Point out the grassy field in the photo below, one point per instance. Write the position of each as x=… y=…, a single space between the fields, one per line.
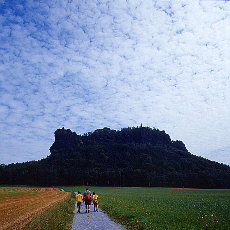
x=165 y=208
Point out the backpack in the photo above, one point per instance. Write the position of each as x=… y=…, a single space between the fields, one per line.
x=87 y=196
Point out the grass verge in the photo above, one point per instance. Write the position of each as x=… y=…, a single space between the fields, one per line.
x=58 y=217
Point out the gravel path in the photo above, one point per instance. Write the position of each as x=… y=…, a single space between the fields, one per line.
x=93 y=220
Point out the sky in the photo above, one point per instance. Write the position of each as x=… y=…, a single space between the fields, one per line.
x=85 y=65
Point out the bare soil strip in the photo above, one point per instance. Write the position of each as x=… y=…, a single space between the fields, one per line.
x=17 y=210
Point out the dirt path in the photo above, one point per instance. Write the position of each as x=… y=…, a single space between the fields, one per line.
x=93 y=221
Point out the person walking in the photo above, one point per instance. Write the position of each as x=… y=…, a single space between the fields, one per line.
x=95 y=202
x=87 y=198
x=79 y=199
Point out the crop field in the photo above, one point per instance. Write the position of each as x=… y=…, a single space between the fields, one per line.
x=165 y=208
x=20 y=205
x=11 y=191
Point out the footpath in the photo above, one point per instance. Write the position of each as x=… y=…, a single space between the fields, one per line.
x=93 y=220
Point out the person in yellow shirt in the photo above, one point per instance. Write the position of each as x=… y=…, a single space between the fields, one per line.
x=79 y=198
x=95 y=202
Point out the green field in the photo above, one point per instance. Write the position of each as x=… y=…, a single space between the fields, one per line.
x=164 y=208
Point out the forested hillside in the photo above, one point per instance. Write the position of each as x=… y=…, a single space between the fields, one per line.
x=129 y=157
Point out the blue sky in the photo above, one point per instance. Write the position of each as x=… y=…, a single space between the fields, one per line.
x=92 y=64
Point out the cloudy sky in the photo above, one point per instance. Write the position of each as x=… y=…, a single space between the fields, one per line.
x=91 y=64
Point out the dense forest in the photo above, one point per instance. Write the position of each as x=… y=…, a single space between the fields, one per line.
x=138 y=156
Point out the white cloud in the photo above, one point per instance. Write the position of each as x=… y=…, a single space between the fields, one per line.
x=90 y=64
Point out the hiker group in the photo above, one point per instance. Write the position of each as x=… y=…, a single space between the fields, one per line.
x=88 y=198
